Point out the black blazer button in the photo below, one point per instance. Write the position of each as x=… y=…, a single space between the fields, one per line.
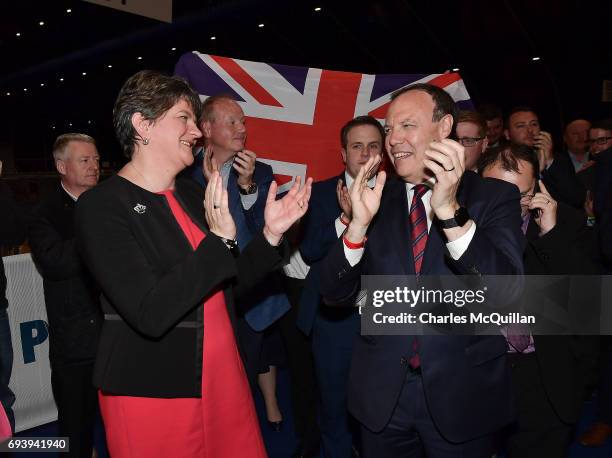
x=403 y=360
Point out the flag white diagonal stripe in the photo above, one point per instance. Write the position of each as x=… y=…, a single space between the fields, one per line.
x=296 y=107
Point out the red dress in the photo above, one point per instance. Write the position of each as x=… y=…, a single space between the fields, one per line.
x=221 y=424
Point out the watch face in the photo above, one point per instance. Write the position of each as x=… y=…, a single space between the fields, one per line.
x=250 y=190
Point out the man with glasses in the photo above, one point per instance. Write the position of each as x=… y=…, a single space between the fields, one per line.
x=600 y=136
x=472 y=134
x=545 y=370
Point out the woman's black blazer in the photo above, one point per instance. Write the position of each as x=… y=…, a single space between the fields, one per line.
x=154 y=284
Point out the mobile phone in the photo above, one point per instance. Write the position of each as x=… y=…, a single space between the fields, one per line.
x=536 y=212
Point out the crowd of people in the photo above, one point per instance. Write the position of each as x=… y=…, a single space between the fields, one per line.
x=175 y=288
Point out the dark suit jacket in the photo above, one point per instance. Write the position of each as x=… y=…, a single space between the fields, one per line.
x=319 y=236
x=602 y=201
x=564 y=250
x=154 y=285
x=464 y=377
x=561 y=181
x=71 y=294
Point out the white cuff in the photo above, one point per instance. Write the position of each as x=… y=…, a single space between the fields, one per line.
x=456 y=248
x=340 y=227
x=353 y=255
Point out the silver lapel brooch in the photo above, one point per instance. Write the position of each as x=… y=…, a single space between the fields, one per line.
x=140 y=209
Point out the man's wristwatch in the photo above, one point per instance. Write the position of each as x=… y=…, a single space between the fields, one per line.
x=461 y=217
x=250 y=189
x=232 y=245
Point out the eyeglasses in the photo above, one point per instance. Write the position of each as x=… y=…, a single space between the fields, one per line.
x=470 y=141
x=599 y=141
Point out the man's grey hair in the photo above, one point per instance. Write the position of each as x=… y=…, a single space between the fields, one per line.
x=60 y=147
x=208 y=107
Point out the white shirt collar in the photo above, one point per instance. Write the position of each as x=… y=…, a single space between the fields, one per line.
x=429 y=183
x=72 y=196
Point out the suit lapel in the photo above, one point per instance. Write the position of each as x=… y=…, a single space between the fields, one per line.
x=399 y=228
x=433 y=250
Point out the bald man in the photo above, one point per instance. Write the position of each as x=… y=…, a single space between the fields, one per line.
x=576 y=138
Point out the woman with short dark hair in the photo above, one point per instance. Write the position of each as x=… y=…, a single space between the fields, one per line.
x=169 y=373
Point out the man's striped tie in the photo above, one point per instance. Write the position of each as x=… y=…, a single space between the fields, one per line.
x=418 y=234
x=418 y=226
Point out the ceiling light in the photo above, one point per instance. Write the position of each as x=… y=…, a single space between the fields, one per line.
x=84 y=73
x=8 y=93
x=535 y=58
x=52 y=127
x=88 y=122
x=25 y=89
x=68 y=10
x=42 y=84
x=139 y=57
x=61 y=79
x=260 y=26
x=317 y=9
x=109 y=66
x=18 y=34
x=455 y=69
x=173 y=49
x=69 y=124
x=41 y=23
x=213 y=37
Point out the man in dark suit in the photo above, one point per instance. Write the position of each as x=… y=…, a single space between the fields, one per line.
x=554 y=168
x=71 y=296
x=546 y=370
x=334 y=329
x=601 y=148
x=446 y=394
x=576 y=140
x=247 y=182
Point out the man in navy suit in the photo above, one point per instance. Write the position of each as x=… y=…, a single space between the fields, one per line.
x=446 y=395
x=247 y=182
x=333 y=329
x=555 y=169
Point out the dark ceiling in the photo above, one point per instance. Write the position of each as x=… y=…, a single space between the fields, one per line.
x=491 y=42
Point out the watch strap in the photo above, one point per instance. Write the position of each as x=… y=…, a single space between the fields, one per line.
x=459 y=219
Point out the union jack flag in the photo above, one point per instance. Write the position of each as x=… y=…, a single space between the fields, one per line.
x=294 y=114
